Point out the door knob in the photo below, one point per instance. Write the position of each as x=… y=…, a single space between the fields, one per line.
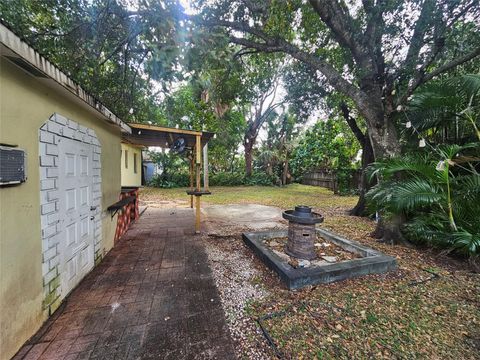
x=92 y=217
x=93 y=208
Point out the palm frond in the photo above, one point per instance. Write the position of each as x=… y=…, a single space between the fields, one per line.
x=466 y=242
x=415 y=194
x=467 y=85
x=440 y=104
x=450 y=151
x=410 y=165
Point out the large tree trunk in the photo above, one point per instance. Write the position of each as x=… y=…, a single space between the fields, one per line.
x=365 y=185
x=385 y=144
x=380 y=142
x=367 y=158
x=248 y=145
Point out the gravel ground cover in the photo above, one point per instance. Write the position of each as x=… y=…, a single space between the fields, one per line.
x=238 y=277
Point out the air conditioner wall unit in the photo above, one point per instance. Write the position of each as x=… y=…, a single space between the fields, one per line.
x=13 y=165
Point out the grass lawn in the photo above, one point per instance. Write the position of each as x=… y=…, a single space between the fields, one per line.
x=429 y=308
x=287 y=196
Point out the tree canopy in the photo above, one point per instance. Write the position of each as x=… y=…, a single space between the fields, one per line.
x=376 y=75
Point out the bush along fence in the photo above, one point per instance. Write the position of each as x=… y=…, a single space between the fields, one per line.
x=340 y=181
x=180 y=179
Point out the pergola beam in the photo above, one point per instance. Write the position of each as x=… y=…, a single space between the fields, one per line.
x=196 y=142
x=164 y=129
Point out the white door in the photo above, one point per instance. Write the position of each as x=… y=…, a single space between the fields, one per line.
x=77 y=233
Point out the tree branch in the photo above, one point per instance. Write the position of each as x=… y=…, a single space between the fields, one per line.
x=272 y=44
x=339 y=21
x=417 y=39
x=334 y=78
x=423 y=78
x=352 y=123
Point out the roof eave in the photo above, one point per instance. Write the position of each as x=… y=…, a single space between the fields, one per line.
x=54 y=77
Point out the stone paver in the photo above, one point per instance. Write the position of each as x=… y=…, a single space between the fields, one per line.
x=152 y=297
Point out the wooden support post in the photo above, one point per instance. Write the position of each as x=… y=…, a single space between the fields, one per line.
x=192 y=160
x=198 y=162
x=198 y=166
x=205 y=167
x=197 y=214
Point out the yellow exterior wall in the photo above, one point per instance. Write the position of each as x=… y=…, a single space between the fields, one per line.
x=25 y=104
x=129 y=177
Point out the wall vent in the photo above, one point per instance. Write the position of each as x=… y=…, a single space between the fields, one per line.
x=13 y=166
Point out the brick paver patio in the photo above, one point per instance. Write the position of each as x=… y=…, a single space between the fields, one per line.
x=152 y=297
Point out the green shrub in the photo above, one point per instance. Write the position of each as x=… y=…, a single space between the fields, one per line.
x=260 y=178
x=182 y=179
x=227 y=179
x=346 y=181
x=238 y=178
x=172 y=180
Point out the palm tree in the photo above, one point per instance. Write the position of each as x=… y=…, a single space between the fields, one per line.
x=447 y=111
x=437 y=194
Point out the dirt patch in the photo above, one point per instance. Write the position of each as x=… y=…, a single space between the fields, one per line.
x=327 y=251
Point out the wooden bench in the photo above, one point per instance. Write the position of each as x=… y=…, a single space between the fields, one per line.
x=119 y=205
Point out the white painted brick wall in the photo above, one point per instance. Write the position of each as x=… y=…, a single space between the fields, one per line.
x=53 y=195
x=52 y=172
x=52 y=241
x=52 y=287
x=49 y=230
x=49 y=276
x=43 y=197
x=49 y=253
x=55 y=261
x=47 y=160
x=50 y=135
x=53 y=218
x=52 y=149
x=60 y=119
x=45 y=269
x=48 y=208
x=47 y=184
x=72 y=124
x=54 y=128
x=46 y=137
x=69 y=133
x=78 y=136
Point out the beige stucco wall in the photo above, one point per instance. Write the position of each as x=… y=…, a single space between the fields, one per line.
x=25 y=104
x=129 y=177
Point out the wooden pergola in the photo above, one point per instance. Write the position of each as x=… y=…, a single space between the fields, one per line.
x=196 y=144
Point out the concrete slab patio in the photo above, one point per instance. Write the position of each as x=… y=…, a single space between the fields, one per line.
x=152 y=297
x=254 y=216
